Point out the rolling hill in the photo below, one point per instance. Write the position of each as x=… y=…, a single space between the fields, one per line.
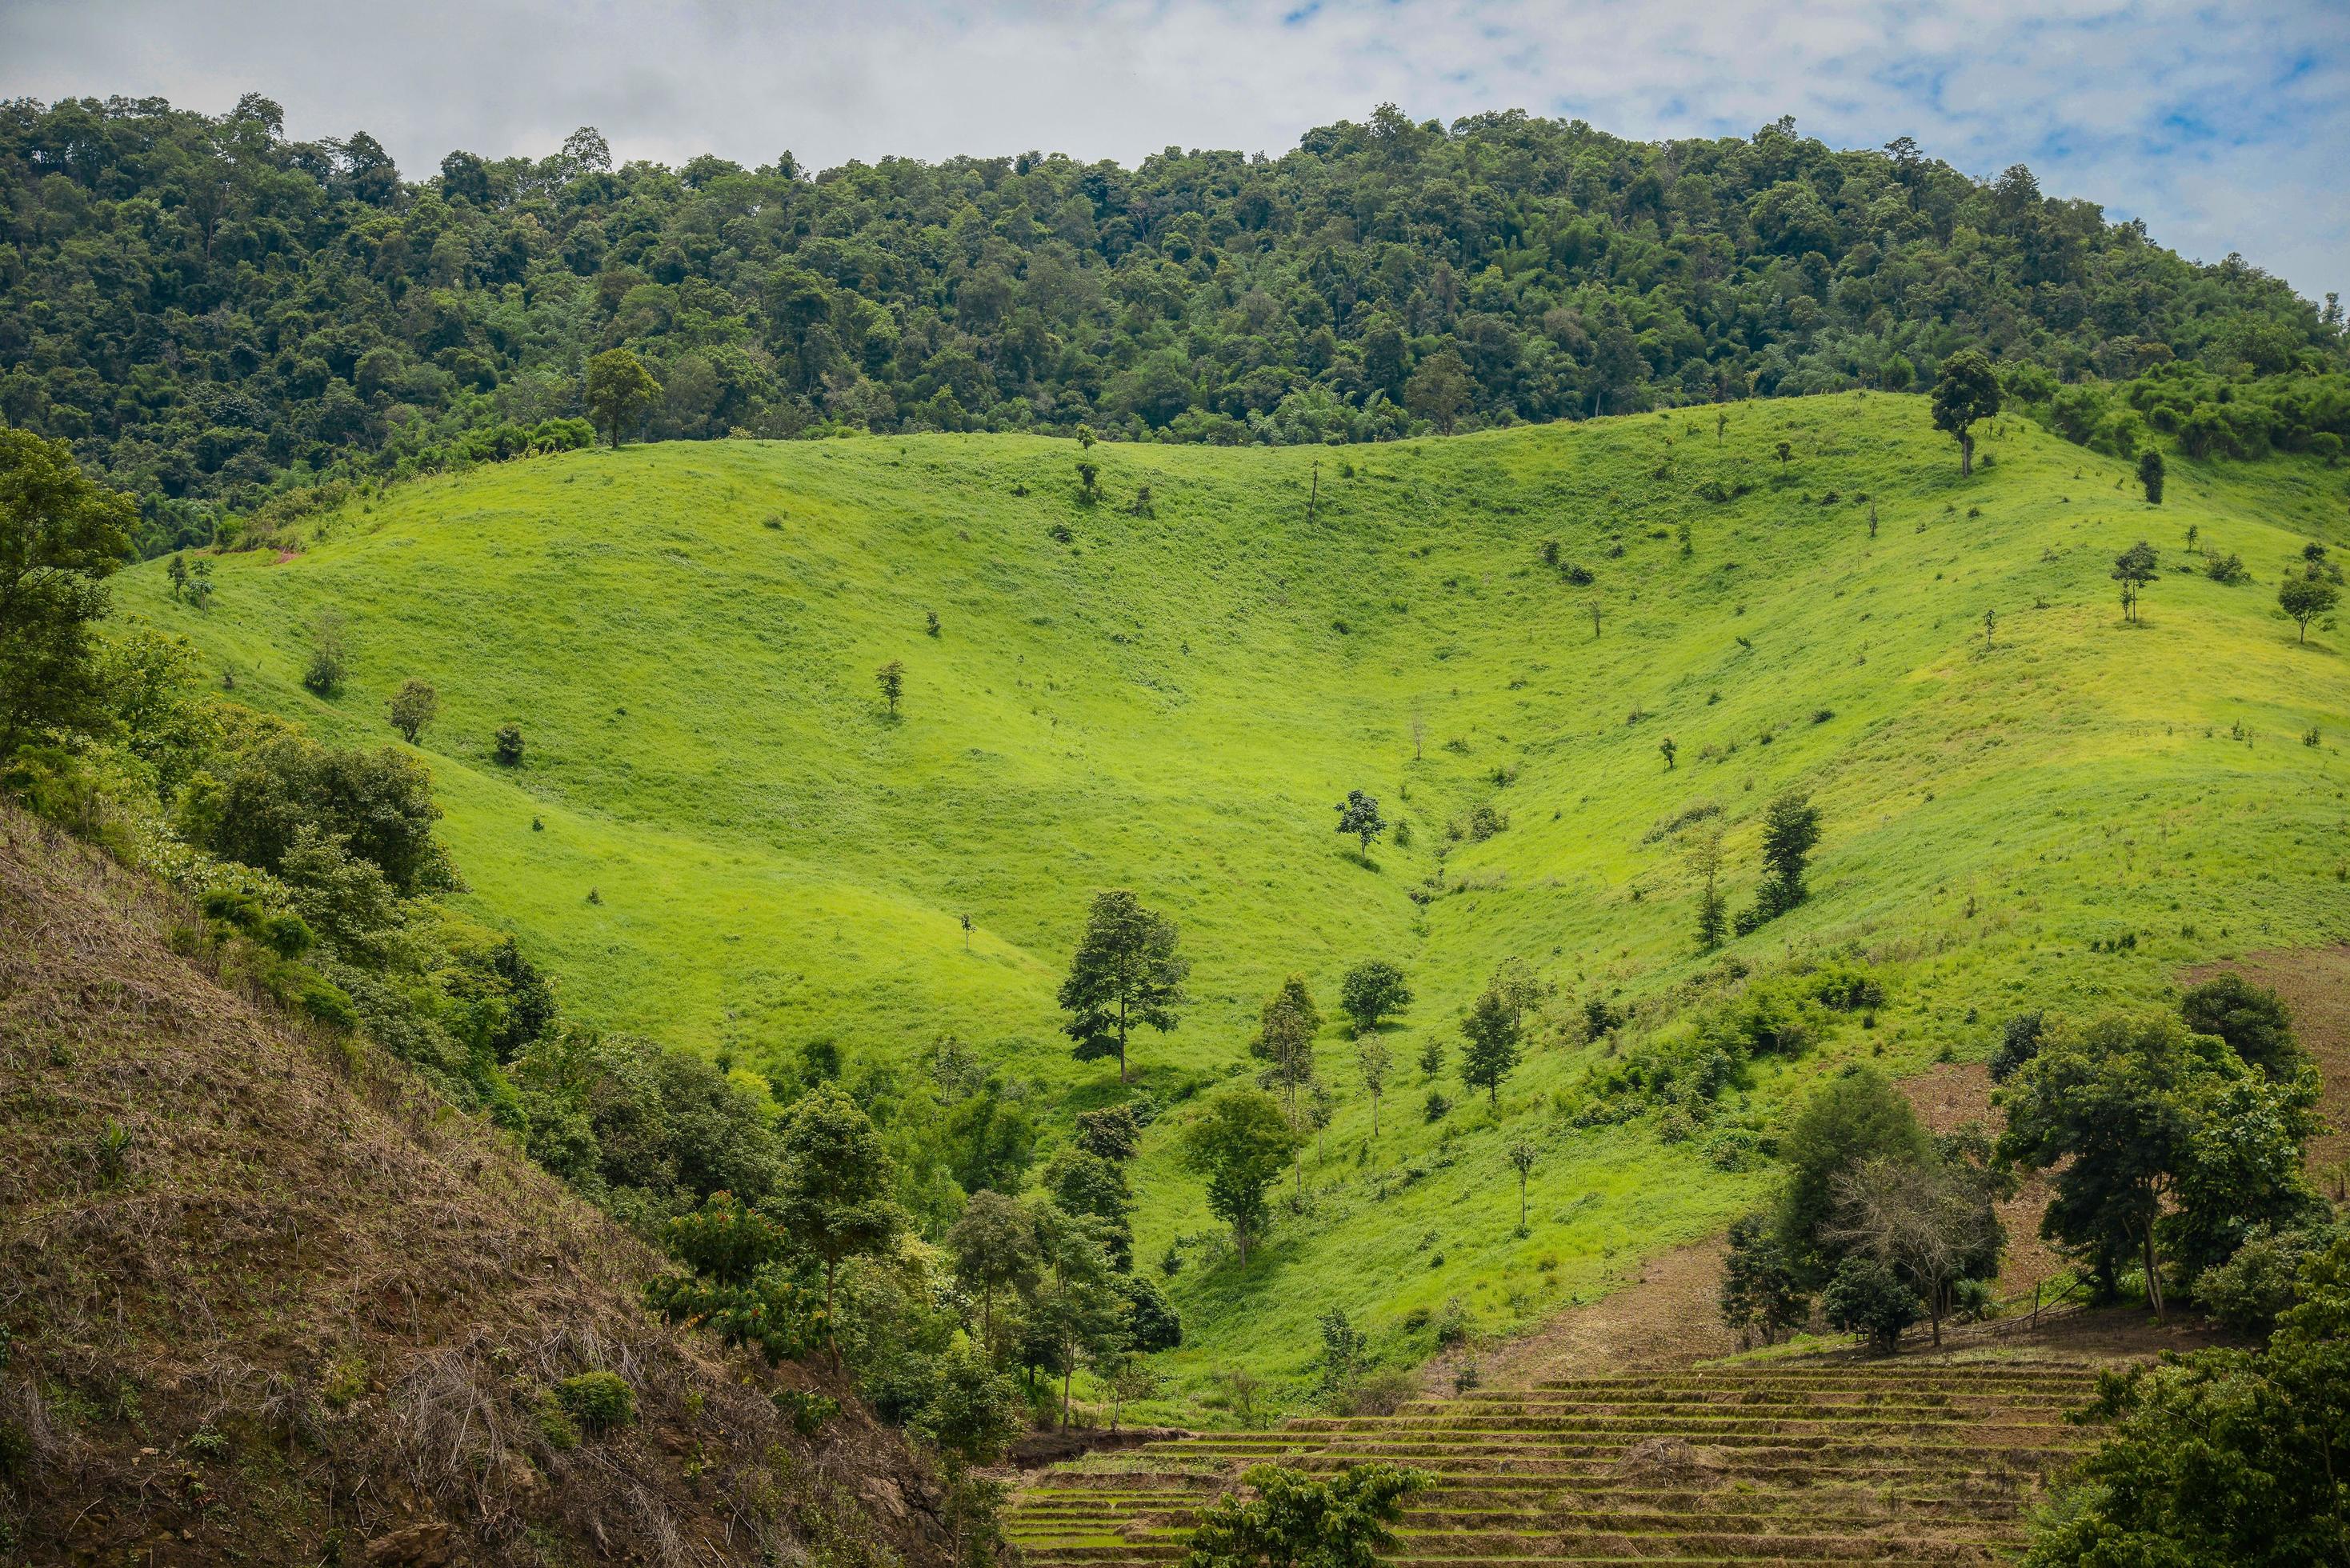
x=720 y=837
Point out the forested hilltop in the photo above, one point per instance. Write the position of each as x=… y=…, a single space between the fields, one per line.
x=211 y=312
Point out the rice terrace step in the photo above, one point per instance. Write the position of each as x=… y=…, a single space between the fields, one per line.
x=1775 y=1463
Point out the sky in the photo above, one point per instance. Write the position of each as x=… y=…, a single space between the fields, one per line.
x=2226 y=126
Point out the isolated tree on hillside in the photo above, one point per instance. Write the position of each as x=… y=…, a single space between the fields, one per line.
x=2304 y=598
x=1965 y=392
x=1372 y=990
x=1127 y=972
x=1520 y=988
x=1791 y=827
x=1493 y=1031
x=620 y=391
x=834 y=1195
x=2149 y=474
x=1712 y=915
x=892 y=679
x=1284 y=1041
x=506 y=749
x=1358 y=814
x=1239 y=1145
x=199 y=584
x=1521 y=1160
x=2134 y=568
x=61 y=536
x=414 y=707
x=329 y=661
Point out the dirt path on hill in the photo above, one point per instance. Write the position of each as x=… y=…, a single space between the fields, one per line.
x=1664 y=1316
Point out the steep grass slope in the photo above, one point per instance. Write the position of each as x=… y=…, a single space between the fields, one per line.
x=264 y=1300
x=719 y=837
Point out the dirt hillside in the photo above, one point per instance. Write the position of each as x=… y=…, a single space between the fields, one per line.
x=264 y=1299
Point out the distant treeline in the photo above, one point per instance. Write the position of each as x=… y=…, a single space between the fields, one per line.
x=211 y=312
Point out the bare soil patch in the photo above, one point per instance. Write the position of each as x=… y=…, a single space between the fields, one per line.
x=2315 y=985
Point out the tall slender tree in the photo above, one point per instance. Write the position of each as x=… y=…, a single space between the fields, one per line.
x=1127 y=972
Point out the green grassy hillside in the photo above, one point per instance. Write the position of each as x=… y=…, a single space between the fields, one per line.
x=1175 y=700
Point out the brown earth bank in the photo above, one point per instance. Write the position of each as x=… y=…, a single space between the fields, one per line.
x=264 y=1299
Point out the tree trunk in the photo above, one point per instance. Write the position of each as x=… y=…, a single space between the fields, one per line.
x=2153 y=1272
x=1068 y=1370
x=831 y=1340
x=1966 y=454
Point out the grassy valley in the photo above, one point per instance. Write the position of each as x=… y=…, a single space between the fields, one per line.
x=719 y=837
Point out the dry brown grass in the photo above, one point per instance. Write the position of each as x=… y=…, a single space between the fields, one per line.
x=297 y=1308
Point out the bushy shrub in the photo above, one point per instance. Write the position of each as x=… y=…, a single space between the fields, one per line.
x=1974 y=1301
x=599 y=1401
x=329 y=1003
x=555 y=1423
x=1382 y=1391
x=2250 y=1018
x=1453 y=1324
x=807 y=1412
x=2248 y=1292
x=1868 y=1299
x=2019 y=1042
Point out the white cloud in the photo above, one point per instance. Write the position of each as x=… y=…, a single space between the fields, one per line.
x=2225 y=131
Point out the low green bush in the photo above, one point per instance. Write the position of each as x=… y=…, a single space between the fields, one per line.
x=599 y=1401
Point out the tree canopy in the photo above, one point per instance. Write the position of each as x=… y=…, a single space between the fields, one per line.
x=1240 y=1145
x=61 y=536
x=1127 y=972
x=209 y=309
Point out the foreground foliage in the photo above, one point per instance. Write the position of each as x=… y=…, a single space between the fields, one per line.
x=2240 y=1456
x=1296 y=1521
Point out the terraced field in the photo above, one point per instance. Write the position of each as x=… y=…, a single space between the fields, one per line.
x=1785 y=1463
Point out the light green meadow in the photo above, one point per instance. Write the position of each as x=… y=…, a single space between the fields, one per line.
x=1175 y=701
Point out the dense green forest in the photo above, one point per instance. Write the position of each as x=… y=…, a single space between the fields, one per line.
x=211 y=312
